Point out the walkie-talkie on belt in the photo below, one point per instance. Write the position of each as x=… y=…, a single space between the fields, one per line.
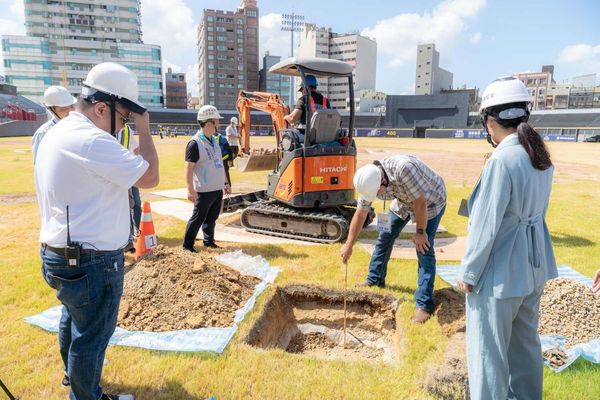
x=73 y=249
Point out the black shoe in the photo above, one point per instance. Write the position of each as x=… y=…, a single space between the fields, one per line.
x=366 y=283
x=190 y=249
x=212 y=245
x=65 y=381
x=117 y=397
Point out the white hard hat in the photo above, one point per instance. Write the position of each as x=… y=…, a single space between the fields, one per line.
x=58 y=96
x=208 y=112
x=367 y=180
x=114 y=80
x=504 y=91
x=234 y=120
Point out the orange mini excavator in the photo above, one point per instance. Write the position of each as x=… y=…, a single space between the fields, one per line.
x=310 y=193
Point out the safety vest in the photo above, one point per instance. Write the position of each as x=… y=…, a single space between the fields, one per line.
x=313 y=106
x=125 y=137
x=225 y=155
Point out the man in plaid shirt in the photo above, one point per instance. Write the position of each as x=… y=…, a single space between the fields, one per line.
x=418 y=193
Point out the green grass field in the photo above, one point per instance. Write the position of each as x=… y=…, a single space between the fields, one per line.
x=30 y=363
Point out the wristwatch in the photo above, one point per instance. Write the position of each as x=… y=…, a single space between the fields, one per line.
x=420 y=231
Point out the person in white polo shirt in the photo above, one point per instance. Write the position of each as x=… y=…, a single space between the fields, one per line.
x=82 y=175
x=59 y=102
x=205 y=178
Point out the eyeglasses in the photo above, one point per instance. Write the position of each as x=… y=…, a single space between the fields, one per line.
x=124 y=119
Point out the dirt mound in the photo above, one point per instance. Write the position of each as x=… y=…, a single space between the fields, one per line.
x=449 y=380
x=177 y=289
x=569 y=308
x=450 y=310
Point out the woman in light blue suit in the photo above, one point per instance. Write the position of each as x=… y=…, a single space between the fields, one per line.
x=509 y=254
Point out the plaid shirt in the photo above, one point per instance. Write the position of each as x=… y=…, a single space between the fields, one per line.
x=409 y=178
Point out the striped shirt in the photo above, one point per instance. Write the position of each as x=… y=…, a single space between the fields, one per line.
x=409 y=178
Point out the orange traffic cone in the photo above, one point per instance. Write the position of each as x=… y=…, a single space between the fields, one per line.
x=146 y=242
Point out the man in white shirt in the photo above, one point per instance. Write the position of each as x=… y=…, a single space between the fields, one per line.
x=59 y=102
x=233 y=137
x=82 y=175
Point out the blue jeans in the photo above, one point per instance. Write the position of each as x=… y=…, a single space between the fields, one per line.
x=383 y=251
x=90 y=295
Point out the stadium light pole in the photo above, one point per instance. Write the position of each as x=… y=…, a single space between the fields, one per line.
x=292 y=23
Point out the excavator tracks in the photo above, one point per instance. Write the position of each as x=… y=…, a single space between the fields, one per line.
x=272 y=218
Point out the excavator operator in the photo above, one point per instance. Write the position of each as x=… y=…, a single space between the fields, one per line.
x=316 y=101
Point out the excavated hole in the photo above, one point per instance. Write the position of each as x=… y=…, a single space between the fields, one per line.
x=309 y=320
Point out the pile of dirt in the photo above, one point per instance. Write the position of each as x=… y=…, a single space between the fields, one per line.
x=177 y=289
x=449 y=380
x=450 y=310
x=569 y=308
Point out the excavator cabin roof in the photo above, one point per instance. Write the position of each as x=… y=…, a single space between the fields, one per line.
x=319 y=67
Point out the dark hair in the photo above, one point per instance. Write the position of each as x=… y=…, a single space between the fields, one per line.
x=202 y=123
x=531 y=141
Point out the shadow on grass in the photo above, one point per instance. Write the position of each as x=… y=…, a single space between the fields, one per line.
x=169 y=391
x=400 y=289
x=562 y=239
x=265 y=250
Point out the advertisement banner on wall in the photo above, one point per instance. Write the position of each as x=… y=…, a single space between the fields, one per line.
x=469 y=134
x=560 y=138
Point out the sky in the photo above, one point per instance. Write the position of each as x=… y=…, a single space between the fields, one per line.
x=478 y=40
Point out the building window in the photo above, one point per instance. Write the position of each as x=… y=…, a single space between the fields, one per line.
x=251 y=13
x=210 y=18
x=240 y=22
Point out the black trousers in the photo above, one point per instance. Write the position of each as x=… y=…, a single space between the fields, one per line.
x=226 y=166
x=206 y=211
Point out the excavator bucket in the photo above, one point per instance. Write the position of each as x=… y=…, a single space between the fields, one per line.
x=260 y=160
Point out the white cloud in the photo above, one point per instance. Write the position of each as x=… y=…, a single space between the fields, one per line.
x=171 y=25
x=476 y=38
x=398 y=36
x=273 y=39
x=191 y=77
x=579 y=59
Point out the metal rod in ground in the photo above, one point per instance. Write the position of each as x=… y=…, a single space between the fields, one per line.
x=345 y=289
x=8 y=393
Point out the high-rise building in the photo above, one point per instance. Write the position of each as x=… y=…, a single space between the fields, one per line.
x=359 y=51
x=227 y=54
x=430 y=78
x=64 y=40
x=273 y=83
x=175 y=90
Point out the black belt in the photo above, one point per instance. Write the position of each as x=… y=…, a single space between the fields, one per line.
x=61 y=250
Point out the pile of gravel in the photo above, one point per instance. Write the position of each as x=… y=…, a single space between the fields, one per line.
x=570 y=309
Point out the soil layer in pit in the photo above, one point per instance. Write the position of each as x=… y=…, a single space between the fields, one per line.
x=177 y=289
x=309 y=320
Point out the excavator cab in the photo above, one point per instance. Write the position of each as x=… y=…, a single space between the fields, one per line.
x=317 y=162
x=310 y=191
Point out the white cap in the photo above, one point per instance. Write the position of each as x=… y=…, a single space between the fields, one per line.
x=208 y=112
x=504 y=91
x=58 y=96
x=367 y=180
x=234 y=120
x=115 y=80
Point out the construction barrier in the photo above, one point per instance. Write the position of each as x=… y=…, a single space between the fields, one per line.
x=146 y=242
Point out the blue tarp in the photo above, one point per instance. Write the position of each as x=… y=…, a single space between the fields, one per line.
x=203 y=339
x=590 y=350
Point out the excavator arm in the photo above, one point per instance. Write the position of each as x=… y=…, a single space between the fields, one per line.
x=270 y=103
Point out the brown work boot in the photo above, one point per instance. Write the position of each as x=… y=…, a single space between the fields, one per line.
x=420 y=316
